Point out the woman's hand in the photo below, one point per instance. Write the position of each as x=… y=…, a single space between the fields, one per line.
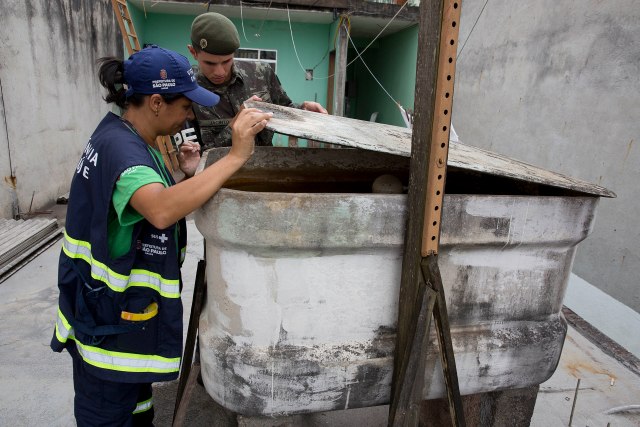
x=244 y=128
x=189 y=157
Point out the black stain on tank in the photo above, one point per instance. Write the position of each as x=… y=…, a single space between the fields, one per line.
x=383 y=344
x=230 y=357
x=371 y=386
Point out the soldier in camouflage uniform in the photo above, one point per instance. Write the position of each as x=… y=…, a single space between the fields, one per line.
x=214 y=41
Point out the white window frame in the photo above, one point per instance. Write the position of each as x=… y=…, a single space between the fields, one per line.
x=259 y=52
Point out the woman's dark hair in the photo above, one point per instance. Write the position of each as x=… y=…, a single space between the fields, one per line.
x=111 y=75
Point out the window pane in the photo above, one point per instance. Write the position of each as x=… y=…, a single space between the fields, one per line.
x=247 y=53
x=268 y=54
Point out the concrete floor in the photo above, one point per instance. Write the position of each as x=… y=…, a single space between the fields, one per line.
x=37 y=389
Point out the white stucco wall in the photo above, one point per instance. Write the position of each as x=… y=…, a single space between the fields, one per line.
x=52 y=97
x=557 y=84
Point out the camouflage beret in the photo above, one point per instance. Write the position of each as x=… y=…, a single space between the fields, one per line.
x=215 y=34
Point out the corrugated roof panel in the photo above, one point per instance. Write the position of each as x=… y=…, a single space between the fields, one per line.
x=20 y=238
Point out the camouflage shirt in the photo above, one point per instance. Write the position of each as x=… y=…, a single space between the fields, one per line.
x=247 y=79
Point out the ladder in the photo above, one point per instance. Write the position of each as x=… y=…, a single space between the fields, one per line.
x=126 y=26
x=130 y=38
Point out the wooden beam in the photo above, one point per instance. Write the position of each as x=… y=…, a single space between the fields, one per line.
x=340 y=77
x=278 y=4
x=431 y=275
x=190 y=365
x=331 y=4
x=424 y=104
x=405 y=409
x=330 y=81
x=385 y=10
x=366 y=8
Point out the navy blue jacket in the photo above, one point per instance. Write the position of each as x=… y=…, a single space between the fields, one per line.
x=122 y=317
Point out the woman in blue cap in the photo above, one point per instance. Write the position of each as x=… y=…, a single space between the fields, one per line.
x=119 y=313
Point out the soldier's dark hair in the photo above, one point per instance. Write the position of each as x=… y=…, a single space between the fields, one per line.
x=111 y=75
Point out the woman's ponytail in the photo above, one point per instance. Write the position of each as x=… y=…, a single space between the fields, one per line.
x=111 y=75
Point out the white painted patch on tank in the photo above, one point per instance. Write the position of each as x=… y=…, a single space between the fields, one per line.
x=291 y=294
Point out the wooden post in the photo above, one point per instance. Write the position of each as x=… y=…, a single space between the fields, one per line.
x=424 y=102
x=435 y=70
x=190 y=369
x=340 y=68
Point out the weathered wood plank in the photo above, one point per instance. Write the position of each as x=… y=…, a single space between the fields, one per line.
x=337 y=130
x=190 y=367
x=397 y=140
x=432 y=276
x=409 y=395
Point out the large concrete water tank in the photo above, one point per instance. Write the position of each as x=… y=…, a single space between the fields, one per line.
x=303 y=274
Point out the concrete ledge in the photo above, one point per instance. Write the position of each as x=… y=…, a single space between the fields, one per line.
x=611 y=317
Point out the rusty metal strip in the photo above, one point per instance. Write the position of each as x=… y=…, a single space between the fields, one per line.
x=441 y=126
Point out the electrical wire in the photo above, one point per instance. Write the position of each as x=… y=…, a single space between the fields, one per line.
x=258 y=34
x=293 y=42
x=334 y=41
x=379 y=34
x=347 y=27
x=370 y=72
x=242 y=22
x=474 y=26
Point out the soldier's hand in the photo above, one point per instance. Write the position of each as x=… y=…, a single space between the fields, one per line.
x=244 y=128
x=189 y=157
x=314 y=106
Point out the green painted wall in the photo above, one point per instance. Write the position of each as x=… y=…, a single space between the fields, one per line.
x=311 y=42
x=392 y=60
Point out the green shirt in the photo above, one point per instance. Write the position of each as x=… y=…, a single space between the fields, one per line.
x=122 y=217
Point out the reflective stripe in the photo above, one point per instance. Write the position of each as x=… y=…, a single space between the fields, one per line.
x=115 y=360
x=144 y=406
x=126 y=362
x=63 y=328
x=166 y=288
x=117 y=282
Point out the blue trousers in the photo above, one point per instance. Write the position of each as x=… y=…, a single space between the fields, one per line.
x=105 y=403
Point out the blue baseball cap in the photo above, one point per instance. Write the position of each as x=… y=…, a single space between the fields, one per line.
x=157 y=70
